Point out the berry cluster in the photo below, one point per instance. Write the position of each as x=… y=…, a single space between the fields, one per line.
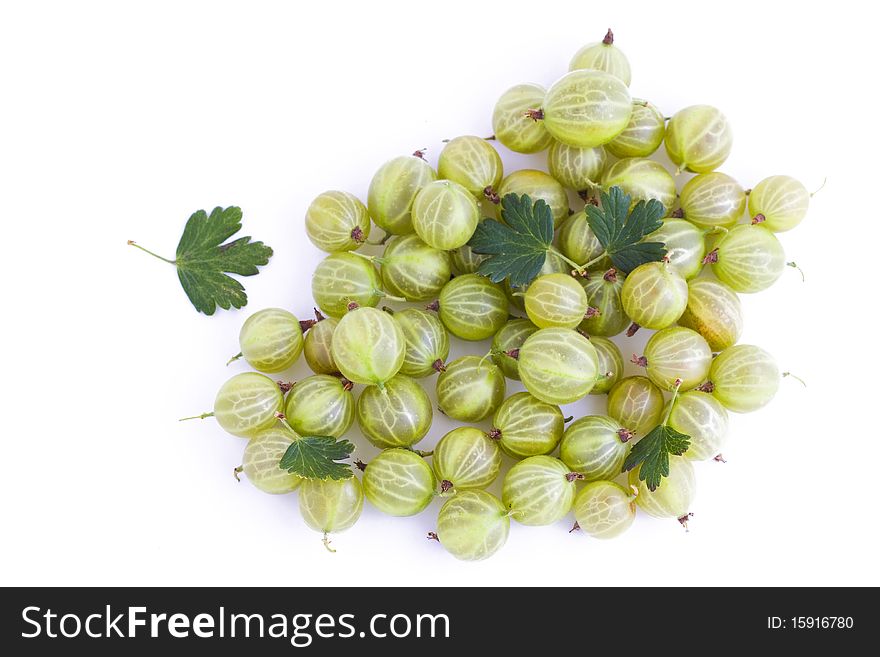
x=552 y=333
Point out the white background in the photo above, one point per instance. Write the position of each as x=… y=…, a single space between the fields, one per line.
x=120 y=119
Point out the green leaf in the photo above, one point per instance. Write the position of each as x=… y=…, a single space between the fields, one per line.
x=316 y=457
x=518 y=247
x=203 y=260
x=621 y=231
x=652 y=453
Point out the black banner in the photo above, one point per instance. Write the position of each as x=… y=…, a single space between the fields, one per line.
x=431 y=621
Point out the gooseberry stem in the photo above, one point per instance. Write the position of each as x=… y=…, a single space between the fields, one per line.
x=794 y=265
x=603 y=255
x=197 y=417
x=138 y=246
x=283 y=419
x=795 y=377
x=234 y=358
x=326 y=542
x=821 y=187
x=715 y=230
x=580 y=270
x=236 y=471
x=391 y=297
x=371 y=258
x=672 y=401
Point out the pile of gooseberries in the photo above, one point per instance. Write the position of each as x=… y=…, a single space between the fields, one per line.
x=392 y=314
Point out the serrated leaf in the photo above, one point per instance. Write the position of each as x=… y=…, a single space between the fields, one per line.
x=316 y=457
x=621 y=230
x=517 y=247
x=203 y=260
x=652 y=453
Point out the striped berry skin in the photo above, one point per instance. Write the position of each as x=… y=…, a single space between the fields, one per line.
x=698 y=138
x=610 y=364
x=555 y=300
x=512 y=127
x=654 y=295
x=393 y=190
x=714 y=311
x=472 y=307
x=247 y=404
x=603 y=56
x=472 y=162
x=368 y=346
x=413 y=270
x=445 y=214
x=713 y=199
x=317 y=346
x=337 y=221
x=506 y=344
x=642 y=179
x=427 y=342
x=473 y=525
x=463 y=260
x=643 y=133
x=399 y=482
x=677 y=357
x=396 y=415
x=576 y=168
x=331 y=505
x=604 y=509
x=271 y=340
x=603 y=296
x=685 y=246
x=320 y=405
x=779 y=202
x=595 y=446
x=749 y=259
x=553 y=264
x=586 y=108
x=703 y=418
x=744 y=378
x=636 y=403
x=558 y=365
x=344 y=278
x=525 y=426
x=470 y=389
x=261 y=458
x=578 y=242
x=675 y=494
x=538 y=186
x=538 y=491
x=466 y=458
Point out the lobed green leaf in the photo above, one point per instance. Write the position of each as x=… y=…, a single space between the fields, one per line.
x=317 y=457
x=620 y=231
x=518 y=247
x=652 y=453
x=203 y=260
